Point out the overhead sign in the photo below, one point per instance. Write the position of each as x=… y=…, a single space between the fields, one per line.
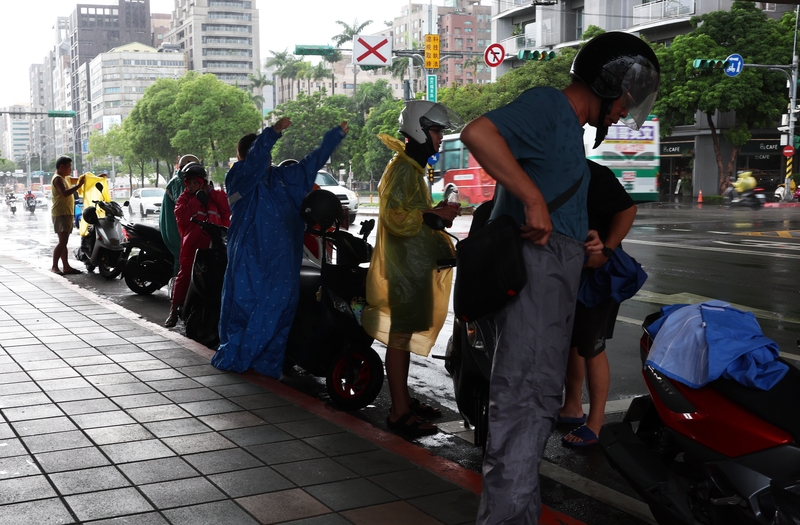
x=372 y=51
x=432 y=88
x=735 y=65
x=788 y=151
x=494 y=55
x=431 y=51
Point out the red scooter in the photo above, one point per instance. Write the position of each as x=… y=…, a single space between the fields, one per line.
x=721 y=454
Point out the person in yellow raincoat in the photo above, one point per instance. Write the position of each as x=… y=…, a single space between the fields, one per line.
x=407 y=296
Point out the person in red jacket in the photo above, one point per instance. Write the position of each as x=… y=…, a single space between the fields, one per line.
x=189 y=205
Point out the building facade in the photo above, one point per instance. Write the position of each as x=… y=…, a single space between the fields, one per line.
x=218 y=36
x=16 y=133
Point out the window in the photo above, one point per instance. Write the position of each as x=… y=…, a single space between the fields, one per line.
x=578 y=23
x=112 y=90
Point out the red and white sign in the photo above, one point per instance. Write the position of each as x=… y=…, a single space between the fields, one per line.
x=788 y=151
x=372 y=50
x=494 y=55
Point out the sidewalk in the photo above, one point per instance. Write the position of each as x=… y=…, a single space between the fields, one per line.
x=104 y=415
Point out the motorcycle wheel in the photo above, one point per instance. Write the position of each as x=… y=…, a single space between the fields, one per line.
x=139 y=286
x=202 y=326
x=108 y=269
x=355 y=379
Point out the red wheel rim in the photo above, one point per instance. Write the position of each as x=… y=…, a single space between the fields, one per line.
x=351 y=387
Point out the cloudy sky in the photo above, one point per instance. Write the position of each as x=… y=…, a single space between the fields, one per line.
x=26 y=29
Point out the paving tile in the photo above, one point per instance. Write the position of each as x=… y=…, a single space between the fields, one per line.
x=62 y=384
x=88 y=480
x=216 y=406
x=245 y=437
x=232 y=420
x=177 y=427
x=340 y=444
x=450 y=508
x=228 y=378
x=72 y=459
x=141 y=400
x=13 y=377
x=240 y=390
x=374 y=462
x=156 y=375
x=309 y=428
x=157 y=413
x=166 y=385
x=314 y=471
x=222 y=461
x=118 y=434
x=6 y=431
x=196 y=443
x=118 y=349
x=325 y=519
x=216 y=513
x=97 y=359
x=17 y=467
x=181 y=492
x=408 y=484
x=32 y=412
x=107 y=504
x=87 y=406
x=27 y=387
x=192 y=394
x=284 y=452
x=41 y=512
x=56 y=441
x=350 y=494
x=75 y=394
x=164 y=345
x=130 y=357
x=77 y=352
x=150 y=518
x=125 y=389
x=17 y=490
x=282 y=414
x=146 y=364
x=137 y=451
x=112 y=379
x=158 y=470
x=103 y=419
x=21 y=400
x=250 y=482
x=277 y=507
x=96 y=370
x=43 y=426
x=395 y=513
x=8 y=366
x=184 y=360
x=252 y=402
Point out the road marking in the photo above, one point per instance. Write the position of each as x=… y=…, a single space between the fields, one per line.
x=710 y=248
x=690 y=298
x=629 y=320
x=718 y=233
x=788 y=234
x=681 y=230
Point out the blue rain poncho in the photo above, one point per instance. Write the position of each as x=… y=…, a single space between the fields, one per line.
x=619 y=278
x=696 y=344
x=265 y=249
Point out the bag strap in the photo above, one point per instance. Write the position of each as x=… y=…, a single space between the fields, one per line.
x=559 y=201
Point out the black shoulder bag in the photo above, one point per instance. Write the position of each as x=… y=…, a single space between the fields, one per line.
x=490 y=268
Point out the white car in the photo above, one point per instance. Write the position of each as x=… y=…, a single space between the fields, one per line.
x=41 y=200
x=146 y=200
x=327 y=182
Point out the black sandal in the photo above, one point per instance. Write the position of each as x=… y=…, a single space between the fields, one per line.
x=426 y=411
x=413 y=429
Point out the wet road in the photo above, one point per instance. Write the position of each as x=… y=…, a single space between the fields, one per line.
x=748 y=258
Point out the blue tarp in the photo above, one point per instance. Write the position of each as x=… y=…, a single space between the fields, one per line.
x=265 y=248
x=619 y=278
x=696 y=344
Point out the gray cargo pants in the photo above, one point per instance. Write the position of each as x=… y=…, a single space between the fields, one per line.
x=530 y=362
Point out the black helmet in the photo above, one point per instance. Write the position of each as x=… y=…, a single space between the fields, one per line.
x=321 y=209
x=90 y=215
x=194 y=170
x=616 y=65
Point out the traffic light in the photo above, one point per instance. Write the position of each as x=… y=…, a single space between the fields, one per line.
x=527 y=54
x=797 y=142
x=710 y=63
x=58 y=113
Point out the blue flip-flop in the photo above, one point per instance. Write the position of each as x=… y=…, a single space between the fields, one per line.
x=571 y=420
x=585 y=434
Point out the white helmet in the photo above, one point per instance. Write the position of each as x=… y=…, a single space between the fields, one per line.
x=419 y=115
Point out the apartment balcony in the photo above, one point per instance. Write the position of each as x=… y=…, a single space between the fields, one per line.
x=504 y=8
x=654 y=11
x=516 y=43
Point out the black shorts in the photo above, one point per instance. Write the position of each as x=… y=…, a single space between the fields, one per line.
x=593 y=326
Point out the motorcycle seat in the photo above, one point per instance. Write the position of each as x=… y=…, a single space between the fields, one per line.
x=148 y=232
x=776 y=406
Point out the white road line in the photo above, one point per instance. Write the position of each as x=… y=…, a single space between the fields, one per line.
x=681 y=230
x=719 y=233
x=711 y=249
x=690 y=298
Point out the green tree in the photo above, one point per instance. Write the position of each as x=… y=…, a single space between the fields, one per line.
x=258 y=81
x=332 y=59
x=373 y=155
x=210 y=117
x=756 y=96
x=370 y=95
x=278 y=60
x=349 y=32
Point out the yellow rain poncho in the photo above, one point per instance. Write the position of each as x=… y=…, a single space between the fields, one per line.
x=407 y=296
x=90 y=193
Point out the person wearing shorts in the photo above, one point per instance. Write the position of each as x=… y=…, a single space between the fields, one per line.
x=611 y=213
x=63 y=213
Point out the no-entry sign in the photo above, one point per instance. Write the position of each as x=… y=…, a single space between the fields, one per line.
x=788 y=151
x=494 y=55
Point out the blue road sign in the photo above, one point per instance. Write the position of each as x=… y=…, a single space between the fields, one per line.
x=433 y=159
x=735 y=65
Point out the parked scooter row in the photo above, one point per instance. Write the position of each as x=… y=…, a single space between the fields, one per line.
x=102 y=246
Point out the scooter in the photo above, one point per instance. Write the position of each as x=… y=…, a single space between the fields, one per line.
x=30 y=203
x=78 y=213
x=11 y=200
x=721 y=454
x=470 y=350
x=752 y=198
x=152 y=266
x=101 y=247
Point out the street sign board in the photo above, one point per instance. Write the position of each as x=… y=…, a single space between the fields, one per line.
x=788 y=151
x=494 y=55
x=735 y=65
x=432 y=88
x=431 y=51
x=372 y=50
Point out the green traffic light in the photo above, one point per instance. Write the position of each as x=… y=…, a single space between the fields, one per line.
x=709 y=63
x=796 y=142
x=527 y=54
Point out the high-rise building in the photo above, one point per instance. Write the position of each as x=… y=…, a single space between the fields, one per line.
x=219 y=37
x=159 y=27
x=16 y=133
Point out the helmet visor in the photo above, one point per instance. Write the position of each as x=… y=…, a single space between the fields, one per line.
x=442 y=116
x=640 y=89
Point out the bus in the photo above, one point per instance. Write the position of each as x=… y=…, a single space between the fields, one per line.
x=457 y=166
x=633 y=156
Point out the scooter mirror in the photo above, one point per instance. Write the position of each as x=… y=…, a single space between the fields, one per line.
x=126 y=203
x=99 y=186
x=448 y=191
x=202 y=196
x=433 y=221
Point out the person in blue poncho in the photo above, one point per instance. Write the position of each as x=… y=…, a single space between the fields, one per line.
x=265 y=248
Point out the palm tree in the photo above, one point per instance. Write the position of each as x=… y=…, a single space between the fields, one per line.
x=257 y=83
x=279 y=60
x=473 y=63
x=347 y=35
x=290 y=71
x=333 y=58
x=318 y=72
